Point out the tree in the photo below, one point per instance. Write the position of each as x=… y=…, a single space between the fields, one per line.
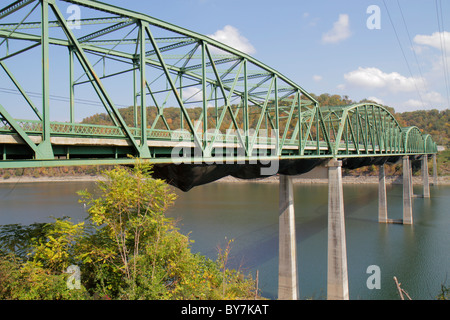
x=127 y=249
x=136 y=252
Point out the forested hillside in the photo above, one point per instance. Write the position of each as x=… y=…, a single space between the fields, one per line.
x=434 y=122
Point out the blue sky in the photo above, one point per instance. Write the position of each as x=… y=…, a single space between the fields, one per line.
x=326 y=47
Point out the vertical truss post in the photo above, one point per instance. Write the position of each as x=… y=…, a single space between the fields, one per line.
x=181 y=97
x=246 y=118
x=144 y=150
x=71 y=91
x=204 y=98
x=299 y=124
x=135 y=115
x=45 y=72
x=317 y=128
x=216 y=105
x=45 y=150
x=277 y=119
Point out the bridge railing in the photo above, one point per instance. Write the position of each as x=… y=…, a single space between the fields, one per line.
x=411 y=141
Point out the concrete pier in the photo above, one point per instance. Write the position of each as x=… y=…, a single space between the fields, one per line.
x=382 y=199
x=425 y=177
x=435 y=179
x=407 y=191
x=337 y=278
x=287 y=262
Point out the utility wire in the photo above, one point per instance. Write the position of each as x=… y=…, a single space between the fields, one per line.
x=412 y=46
x=443 y=48
x=403 y=52
x=56 y=97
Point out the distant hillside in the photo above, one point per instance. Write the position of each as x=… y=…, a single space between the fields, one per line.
x=434 y=122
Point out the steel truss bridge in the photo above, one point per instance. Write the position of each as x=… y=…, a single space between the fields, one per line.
x=249 y=112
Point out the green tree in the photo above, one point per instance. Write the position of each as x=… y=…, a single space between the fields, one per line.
x=136 y=252
x=127 y=249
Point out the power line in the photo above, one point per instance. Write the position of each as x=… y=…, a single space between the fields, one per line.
x=412 y=45
x=403 y=52
x=443 y=47
x=56 y=97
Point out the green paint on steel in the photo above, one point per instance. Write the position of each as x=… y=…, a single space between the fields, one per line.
x=288 y=121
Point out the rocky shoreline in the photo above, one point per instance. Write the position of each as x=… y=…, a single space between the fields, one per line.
x=345 y=179
x=445 y=180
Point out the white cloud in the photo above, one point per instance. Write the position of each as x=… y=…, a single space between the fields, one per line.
x=430 y=100
x=435 y=40
x=374 y=78
x=341 y=86
x=317 y=78
x=231 y=36
x=340 y=31
x=377 y=100
x=192 y=93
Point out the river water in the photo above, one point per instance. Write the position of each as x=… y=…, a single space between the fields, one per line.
x=417 y=255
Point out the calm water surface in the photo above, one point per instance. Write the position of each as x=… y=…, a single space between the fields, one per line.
x=417 y=255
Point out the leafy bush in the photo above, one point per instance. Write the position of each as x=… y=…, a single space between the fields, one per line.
x=127 y=249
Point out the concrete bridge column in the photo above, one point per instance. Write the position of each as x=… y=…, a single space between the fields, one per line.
x=425 y=178
x=287 y=262
x=337 y=279
x=435 y=179
x=407 y=191
x=382 y=199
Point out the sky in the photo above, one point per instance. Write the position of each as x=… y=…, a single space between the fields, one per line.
x=395 y=52
x=389 y=51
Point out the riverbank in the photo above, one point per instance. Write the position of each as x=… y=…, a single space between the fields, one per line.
x=69 y=178
x=345 y=179
x=445 y=180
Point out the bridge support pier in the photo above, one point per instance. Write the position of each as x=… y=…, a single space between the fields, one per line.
x=435 y=179
x=287 y=262
x=407 y=191
x=425 y=177
x=337 y=278
x=382 y=199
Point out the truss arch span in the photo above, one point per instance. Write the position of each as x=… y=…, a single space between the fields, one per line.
x=413 y=140
x=363 y=129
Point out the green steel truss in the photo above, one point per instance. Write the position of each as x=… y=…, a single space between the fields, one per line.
x=245 y=104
